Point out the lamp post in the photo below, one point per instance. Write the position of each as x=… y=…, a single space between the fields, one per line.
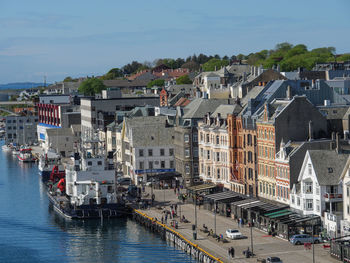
x=215 y=207
x=313 y=243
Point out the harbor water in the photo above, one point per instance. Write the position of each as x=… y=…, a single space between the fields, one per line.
x=32 y=232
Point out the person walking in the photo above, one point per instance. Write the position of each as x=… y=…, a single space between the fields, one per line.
x=166 y=218
x=232 y=252
x=176 y=209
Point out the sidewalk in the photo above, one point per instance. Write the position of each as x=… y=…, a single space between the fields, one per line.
x=263 y=244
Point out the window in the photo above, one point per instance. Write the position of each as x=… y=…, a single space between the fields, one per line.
x=218 y=157
x=208 y=155
x=89 y=163
x=161 y=152
x=162 y=164
x=208 y=171
x=201 y=152
x=99 y=163
x=201 y=134
x=195 y=137
x=208 y=139
x=141 y=165
x=218 y=173
x=309 y=204
x=141 y=152
x=150 y=152
x=187 y=169
x=347 y=191
x=171 y=164
x=217 y=140
x=195 y=152
x=150 y=165
x=195 y=168
x=318 y=205
x=293 y=199
x=187 y=138
x=309 y=168
x=298 y=201
x=308 y=188
x=171 y=152
x=187 y=152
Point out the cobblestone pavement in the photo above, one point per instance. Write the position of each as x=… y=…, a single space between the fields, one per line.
x=263 y=244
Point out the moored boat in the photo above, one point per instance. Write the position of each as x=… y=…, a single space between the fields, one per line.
x=25 y=155
x=46 y=164
x=88 y=188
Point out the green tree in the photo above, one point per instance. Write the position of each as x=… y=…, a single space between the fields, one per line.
x=91 y=86
x=156 y=82
x=68 y=79
x=113 y=74
x=191 y=65
x=343 y=57
x=185 y=79
x=214 y=63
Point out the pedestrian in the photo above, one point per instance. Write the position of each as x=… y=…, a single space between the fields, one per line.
x=162 y=220
x=239 y=222
x=229 y=253
x=175 y=208
x=166 y=218
x=232 y=252
x=172 y=214
x=175 y=190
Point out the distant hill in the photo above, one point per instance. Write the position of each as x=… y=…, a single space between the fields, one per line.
x=21 y=85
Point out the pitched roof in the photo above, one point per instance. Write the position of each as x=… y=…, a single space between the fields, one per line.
x=227 y=109
x=199 y=107
x=328 y=165
x=182 y=102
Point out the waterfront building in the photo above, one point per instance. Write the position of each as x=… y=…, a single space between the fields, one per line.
x=98 y=113
x=284 y=119
x=56 y=111
x=186 y=137
x=319 y=189
x=214 y=146
x=145 y=147
x=21 y=129
x=345 y=180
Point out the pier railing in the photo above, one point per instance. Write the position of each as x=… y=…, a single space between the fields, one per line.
x=193 y=245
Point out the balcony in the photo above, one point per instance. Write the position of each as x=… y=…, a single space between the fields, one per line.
x=333 y=197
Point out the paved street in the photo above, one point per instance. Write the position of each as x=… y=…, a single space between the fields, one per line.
x=263 y=244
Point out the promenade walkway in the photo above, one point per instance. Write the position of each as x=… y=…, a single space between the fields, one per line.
x=263 y=244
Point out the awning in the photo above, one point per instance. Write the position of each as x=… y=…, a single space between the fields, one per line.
x=282 y=214
x=224 y=196
x=277 y=212
x=201 y=187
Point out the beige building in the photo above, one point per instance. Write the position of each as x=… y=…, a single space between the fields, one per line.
x=214 y=147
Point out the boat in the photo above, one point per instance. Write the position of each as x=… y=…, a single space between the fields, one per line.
x=15 y=151
x=8 y=147
x=25 y=155
x=87 y=189
x=47 y=161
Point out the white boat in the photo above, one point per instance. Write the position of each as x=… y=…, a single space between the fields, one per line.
x=47 y=161
x=25 y=155
x=90 y=186
x=7 y=147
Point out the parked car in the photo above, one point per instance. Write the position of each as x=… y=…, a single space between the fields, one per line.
x=233 y=234
x=124 y=180
x=303 y=238
x=273 y=260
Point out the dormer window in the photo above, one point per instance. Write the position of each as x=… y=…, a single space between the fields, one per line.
x=89 y=163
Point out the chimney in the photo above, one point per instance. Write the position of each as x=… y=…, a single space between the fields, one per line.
x=289 y=92
x=311 y=137
x=337 y=143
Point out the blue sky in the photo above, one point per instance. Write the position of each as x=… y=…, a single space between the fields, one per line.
x=83 y=37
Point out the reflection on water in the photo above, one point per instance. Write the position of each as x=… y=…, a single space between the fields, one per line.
x=32 y=232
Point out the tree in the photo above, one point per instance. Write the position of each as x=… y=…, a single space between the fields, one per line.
x=68 y=79
x=91 y=86
x=185 y=79
x=113 y=74
x=191 y=65
x=156 y=82
x=214 y=64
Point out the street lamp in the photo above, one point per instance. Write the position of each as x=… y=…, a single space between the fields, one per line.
x=215 y=208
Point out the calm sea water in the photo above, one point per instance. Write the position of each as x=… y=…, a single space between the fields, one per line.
x=31 y=232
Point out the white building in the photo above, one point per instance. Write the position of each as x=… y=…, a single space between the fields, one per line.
x=320 y=191
x=345 y=179
x=146 y=147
